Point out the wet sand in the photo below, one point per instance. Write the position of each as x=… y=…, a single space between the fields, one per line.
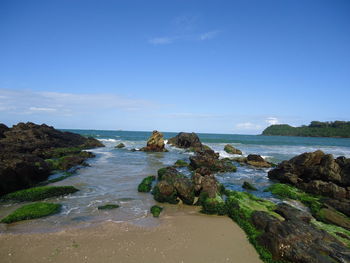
x=181 y=236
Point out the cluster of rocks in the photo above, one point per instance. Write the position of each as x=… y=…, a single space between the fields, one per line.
x=296 y=239
x=24 y=148
x=316 y=173
x=232 y=150
x=155 y=143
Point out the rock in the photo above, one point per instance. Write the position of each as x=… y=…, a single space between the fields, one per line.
x=107 y=207
x=296 y=240
x=156 y=210
x=333 y=217
x=33 y=138
x=24 y=147
x=317 y=173
x=181 y=163
x=146 y=184
x=342 y=205
x=230 y=149
x=186 y=141
x=120 y=145
x=155 y=143
x=248 y=186
x=165 y=192
x=291 y=213
x=3 y=129
x=210 y=160
x=253 y=160
x=185 y=190
x=20 y=171
x=168 y=173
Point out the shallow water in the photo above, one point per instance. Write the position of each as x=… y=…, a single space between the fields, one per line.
x=114 y=174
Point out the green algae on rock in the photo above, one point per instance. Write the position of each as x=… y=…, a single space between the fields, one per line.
x=32 y=211
x=146 y=184
x=156 y=210
x=40 y=193
x=249 y=186
x=181 y=163
x=107 y=207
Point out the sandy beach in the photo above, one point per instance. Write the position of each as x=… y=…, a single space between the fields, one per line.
x=183 y=235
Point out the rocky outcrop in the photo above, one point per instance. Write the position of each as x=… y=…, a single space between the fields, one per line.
x=155 y=143
x=296 y=239
x=186 y=141
x=253 y=160
x=316 y=173
x=24 y=147
x=232 y=150
x=120 y=145
x=209 y=159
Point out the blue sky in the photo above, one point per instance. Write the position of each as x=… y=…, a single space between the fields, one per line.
x=203 y=66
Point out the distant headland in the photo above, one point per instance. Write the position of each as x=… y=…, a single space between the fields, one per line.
x=340 y=129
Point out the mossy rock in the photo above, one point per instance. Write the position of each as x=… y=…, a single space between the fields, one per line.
x=181 y=163
x=146 y=184
x=107 y=207
x=32 y=211
x=248 y=186
x=287 y=191
x=162 y=198
x=156 y=210
x=161 y=172
x=40 y=193
x=214 y=205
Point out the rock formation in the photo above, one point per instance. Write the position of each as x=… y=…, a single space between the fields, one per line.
x=186 y=141
x=155 y=143
x=253 y=160
x=232 y=150
x=209 y=159
x=316 y=173
x=24 y=147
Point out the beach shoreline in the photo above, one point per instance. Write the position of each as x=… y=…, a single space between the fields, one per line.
x=183 y=235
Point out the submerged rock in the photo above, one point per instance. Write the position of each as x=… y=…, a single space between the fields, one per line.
x=156 y=210
x=120 y=145
x=155 y=143
x=186 y=141
x=248 y=186
x=108 y=207
x=253 y=160
x=316 y=173
x=230 y=149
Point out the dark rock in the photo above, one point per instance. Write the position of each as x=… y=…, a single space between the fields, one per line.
x=120 y=145
x=316 y=173
x=255 y=158
x=210 y=160
x=3 y=129
x=333 y=217
x=186 y=141
x=165 y=192
x=155 y=143
x=168 y=173
x=296 y=240
x=230 y=149
x=185 y=190
x=342 y=205
x=248 y=186
x=20 y=171
x=291 y=213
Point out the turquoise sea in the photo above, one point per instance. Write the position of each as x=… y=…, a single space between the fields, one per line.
x=114 y=174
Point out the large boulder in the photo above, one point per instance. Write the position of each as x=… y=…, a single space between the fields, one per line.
x=3 y=129
x=317 y=173
x=20 y=171
x=32 y=138
x=232 y=150
x=295 y=239
x=210 y=160
x=155 y=143
x=186 y=140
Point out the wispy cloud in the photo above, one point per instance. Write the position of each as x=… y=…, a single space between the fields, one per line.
x=24 y=102
x=248 y=126
x=209 y=35
x=184 y=28
x=272 y=120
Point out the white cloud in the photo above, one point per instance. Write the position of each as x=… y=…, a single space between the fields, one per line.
x=208 y=35
x=42 y=109
x=161 y=40
x=272 y=120
x=248 y=126
x=66 y=104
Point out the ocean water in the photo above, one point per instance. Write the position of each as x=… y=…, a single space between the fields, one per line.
x=113 y=176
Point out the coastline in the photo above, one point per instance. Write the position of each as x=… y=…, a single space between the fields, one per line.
x=183 y=235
